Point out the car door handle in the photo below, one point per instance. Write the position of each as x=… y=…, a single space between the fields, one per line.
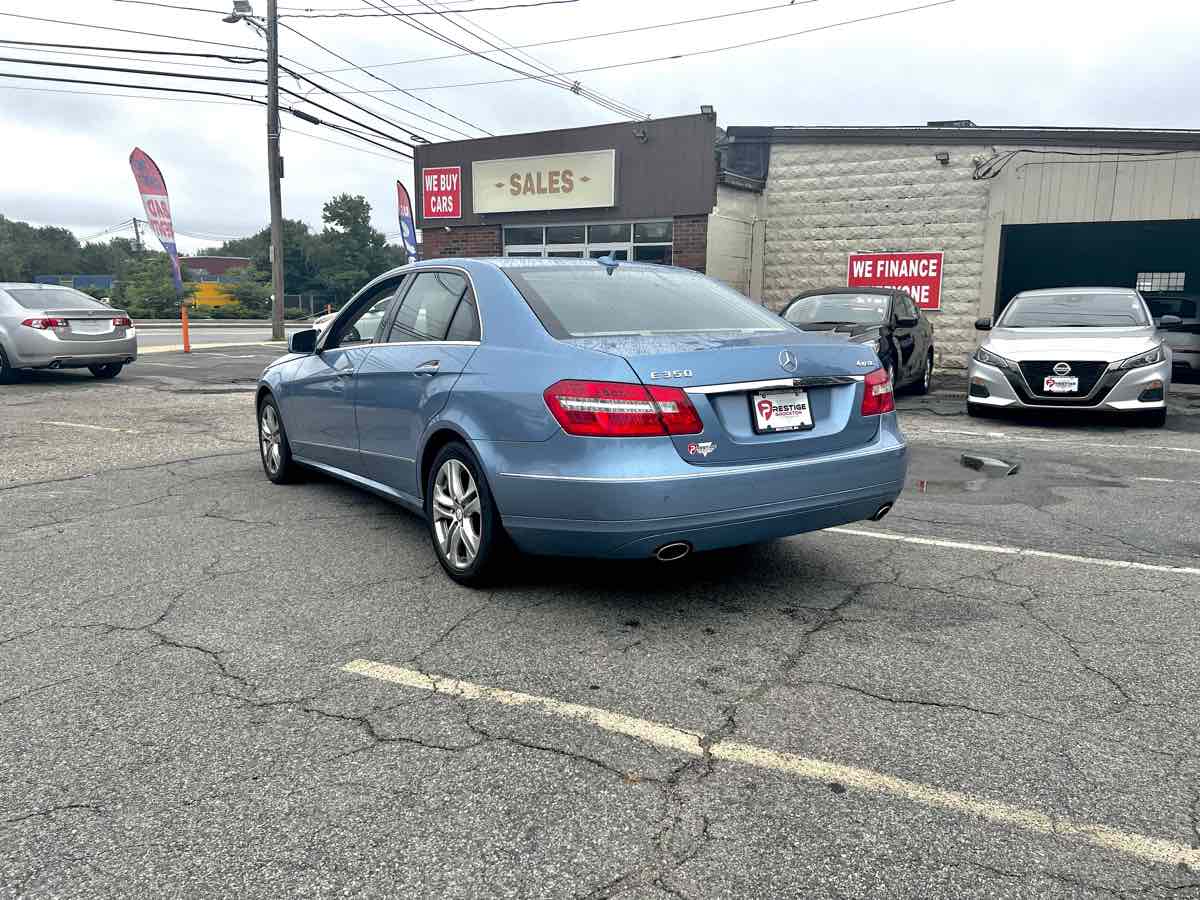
x=429 y=367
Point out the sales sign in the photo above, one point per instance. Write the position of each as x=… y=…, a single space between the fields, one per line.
x=441 y=192
x=917 y=274
x=585 y=180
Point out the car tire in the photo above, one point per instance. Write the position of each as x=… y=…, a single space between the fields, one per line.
x=7 y=373
x=273 y=448
x=926 y=382
x=978 y=411
x=460 y=511
x=1155 y=418
x=106 y=371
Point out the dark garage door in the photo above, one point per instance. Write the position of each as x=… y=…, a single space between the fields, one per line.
x=1109 y=254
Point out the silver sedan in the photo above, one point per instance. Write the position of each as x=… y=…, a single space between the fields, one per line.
x=45 y=326
x=1073 y=348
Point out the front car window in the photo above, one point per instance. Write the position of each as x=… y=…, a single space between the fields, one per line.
x=1074 y=309
x=54 y=298
x=587 y=301
x=839 y=309
x=363 y=327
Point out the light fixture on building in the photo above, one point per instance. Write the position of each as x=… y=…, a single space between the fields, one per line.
x=641 y=134
x=943 y=157
x=241 y=9
x=708 y=112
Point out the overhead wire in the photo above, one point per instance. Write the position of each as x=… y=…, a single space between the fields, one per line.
x=587 y=37
x=9 y=87
x=411 y=11
x=523 y=73
x=691 y=53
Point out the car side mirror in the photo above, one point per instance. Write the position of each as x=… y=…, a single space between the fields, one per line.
x=1169 y=322
x=303 y=341
x=907 y=322
x=984 y=324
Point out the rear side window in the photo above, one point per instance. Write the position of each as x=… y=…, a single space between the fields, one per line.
x=428 y=307
x=54 y=298
x=465 y=325
x=587 y=301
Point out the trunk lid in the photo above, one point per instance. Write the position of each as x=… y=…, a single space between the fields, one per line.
x=726 y=374
x=90 y=324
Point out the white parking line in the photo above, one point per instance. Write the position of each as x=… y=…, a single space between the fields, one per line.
x=1015 y=551
x=1165 y=480
x=178 y=348
x=1144 y=847
x=84 y=425
x=1074 y=442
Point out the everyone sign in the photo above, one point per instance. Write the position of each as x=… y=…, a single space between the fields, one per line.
x=918 y=274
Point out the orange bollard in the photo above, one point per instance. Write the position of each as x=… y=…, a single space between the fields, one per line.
x=187 y=344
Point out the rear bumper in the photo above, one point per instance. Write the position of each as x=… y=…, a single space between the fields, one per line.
x=42 y=351
x=1123 y=396
x=629 y=515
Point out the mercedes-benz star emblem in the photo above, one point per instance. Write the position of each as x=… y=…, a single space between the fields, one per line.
x=787 y=359
x=1062 y=368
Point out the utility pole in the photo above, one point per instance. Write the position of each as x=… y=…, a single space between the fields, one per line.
x=275 y=167
x=137 y=234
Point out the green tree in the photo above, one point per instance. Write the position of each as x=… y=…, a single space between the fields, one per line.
x=251 y=291
x=148 y=290
x=349 y=252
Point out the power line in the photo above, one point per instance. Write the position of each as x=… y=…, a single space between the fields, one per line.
x=222 y=78
x=379 y=78
x=610 y=103
x=173 y=37
x=587 y=37
x=691 y=53
x=127 y=96
x=325 y=140
x=409 y=11
x=524 y=74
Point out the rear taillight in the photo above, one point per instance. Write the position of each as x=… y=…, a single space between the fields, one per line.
x=123 y=322
x=43 y=324
x=877 y=394
x=617 y=409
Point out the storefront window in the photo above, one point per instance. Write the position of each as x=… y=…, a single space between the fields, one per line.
x=653 y=232
x=642 y=241
x=608 y=234
x=523 y=235
x=564 y=234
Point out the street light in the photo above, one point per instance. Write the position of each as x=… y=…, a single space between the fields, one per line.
x=242 y=11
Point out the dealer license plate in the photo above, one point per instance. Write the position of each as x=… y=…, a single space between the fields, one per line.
x=91 y=326
x=1061 y=384
x=780 y=411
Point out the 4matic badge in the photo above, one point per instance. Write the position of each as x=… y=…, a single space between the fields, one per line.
x=701 y=448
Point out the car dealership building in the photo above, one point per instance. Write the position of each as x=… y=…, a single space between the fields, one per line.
x=960 y=215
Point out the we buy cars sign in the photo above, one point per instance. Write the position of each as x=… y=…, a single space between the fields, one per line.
x=919 y=274
x=441 y=192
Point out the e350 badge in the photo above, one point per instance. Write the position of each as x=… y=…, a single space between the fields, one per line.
x=701 y=448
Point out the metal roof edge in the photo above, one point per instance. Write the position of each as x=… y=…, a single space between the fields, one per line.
x=1169 y=139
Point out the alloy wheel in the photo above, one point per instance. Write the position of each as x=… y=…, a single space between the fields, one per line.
x=270 y=438
x=457 y=515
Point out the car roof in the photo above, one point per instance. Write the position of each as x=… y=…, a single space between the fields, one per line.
x=26 y=285
x=878 y=291
x=1048 y=292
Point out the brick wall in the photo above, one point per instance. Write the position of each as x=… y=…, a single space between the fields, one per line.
x=691 y=242
x=478 y=240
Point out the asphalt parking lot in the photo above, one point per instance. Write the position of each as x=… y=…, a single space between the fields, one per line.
x=211 y=685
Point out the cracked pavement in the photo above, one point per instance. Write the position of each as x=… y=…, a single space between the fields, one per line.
x=174 y=720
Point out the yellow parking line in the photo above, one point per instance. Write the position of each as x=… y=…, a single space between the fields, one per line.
x=1150 y=849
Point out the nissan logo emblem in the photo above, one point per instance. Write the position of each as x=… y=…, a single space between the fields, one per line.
x=787 y=359
x=1062 y=368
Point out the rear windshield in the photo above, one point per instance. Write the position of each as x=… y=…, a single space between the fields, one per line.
x=586 y=301
x=839 y=309
x=1184 y=307
x=1074 y=310
x=53 y=298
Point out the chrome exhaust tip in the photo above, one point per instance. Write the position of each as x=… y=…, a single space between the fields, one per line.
x=881 y=512
x=673 y=551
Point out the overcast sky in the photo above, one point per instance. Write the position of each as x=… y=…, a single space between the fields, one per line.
x=64 y=157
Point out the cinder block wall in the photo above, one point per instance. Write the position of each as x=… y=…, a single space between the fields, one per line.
x=824 y=200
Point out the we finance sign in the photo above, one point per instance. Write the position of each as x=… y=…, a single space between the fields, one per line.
x=441 y=192
x=918 y=274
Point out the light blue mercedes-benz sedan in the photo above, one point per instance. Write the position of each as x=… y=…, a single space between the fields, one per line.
x=583 y=408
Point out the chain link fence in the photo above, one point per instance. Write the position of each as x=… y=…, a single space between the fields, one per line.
x=299 y=306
